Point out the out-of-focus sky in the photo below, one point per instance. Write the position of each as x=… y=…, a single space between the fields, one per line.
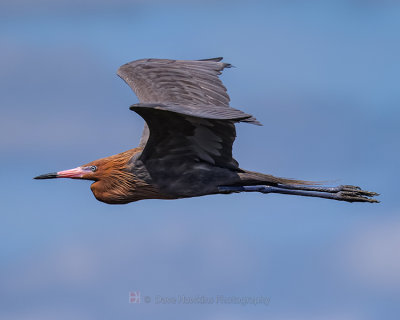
x=323 y=78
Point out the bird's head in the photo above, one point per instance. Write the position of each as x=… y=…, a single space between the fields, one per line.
x=113 y=180
x=97 y=170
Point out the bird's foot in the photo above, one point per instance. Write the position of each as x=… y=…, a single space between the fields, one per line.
x=357 y=190
x=355 y=194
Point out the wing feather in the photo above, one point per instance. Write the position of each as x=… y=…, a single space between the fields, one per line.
x=180 y=139
x=177 y=81
x=205 y=112
x=187 y=113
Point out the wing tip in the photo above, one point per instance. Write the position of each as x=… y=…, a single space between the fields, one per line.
x=252 y=120
x=247 y=118
x=219 y=59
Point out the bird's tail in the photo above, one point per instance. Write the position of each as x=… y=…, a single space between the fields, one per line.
x=250 y=178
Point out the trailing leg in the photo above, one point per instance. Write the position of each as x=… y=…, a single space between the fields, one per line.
x=340 y=193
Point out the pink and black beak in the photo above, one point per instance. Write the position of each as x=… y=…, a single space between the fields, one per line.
x=76 y=173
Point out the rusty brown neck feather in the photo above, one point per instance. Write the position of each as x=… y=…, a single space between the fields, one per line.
x=115 y=182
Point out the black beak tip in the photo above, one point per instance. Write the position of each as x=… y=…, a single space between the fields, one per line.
x=47 y=176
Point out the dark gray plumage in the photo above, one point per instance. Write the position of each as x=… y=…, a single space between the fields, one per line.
x=193 y=96
x=182 y=82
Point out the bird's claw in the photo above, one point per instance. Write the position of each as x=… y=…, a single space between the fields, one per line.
x=357 y=191
x=355 y=194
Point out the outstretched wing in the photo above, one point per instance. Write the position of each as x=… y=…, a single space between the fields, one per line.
x=186 y=108
x=187 y=134
x=183 y=82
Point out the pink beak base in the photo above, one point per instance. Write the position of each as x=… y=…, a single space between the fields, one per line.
x=71 y=173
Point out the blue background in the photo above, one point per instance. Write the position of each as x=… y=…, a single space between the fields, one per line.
x=323 y=78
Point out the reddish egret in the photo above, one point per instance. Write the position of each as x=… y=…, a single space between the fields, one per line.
x=186 y=146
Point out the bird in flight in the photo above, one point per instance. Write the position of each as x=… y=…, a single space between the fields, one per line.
x=186 y=146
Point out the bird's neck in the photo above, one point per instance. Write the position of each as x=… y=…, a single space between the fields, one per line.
x=120 y=182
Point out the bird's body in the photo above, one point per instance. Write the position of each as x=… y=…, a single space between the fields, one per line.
x=186 y=146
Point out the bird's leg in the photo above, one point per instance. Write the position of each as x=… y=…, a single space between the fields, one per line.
x=341 y=188
x=341 y=193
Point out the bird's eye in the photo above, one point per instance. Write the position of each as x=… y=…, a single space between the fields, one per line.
x=93 y=168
